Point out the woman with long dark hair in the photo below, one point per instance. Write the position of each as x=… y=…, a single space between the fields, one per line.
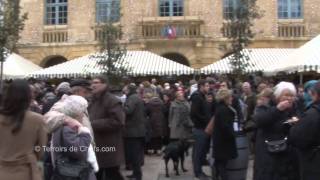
x=22 y=134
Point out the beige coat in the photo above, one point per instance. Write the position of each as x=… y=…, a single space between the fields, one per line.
x=18 y=159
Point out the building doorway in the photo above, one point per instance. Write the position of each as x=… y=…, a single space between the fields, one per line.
x=53 y=60
x=177 y=58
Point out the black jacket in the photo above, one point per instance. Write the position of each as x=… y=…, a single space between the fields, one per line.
x=199 y=110
x=305 y=135
x=270 y=127
x=224 y=142
x=135 y=125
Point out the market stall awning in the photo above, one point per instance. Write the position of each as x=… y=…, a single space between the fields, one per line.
x=16 y=66
x=304 y=59
x=139 y=63
x=259 y=60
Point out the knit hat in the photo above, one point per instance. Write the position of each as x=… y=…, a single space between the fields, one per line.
x=306 y=96
x=63 y=87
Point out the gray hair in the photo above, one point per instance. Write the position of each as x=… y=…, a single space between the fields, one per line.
x=279 y=88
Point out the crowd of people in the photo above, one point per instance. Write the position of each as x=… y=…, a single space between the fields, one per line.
x=81 y=130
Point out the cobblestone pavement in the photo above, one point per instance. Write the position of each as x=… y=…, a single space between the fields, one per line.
x=154 y=169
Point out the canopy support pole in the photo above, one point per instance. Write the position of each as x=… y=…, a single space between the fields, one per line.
x=1 y=77
x=301 y=79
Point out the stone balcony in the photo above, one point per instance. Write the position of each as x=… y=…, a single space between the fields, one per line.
x=55 y=34
x=183 y=27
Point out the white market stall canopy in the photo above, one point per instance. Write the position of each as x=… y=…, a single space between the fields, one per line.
x=259 y=60
x=304 y=59
x=16 y=66
x=140 y=63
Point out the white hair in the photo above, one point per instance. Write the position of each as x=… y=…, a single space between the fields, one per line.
x=279 y=88
x=72 y=106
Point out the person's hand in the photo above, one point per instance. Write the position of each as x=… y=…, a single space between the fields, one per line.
x=293 y=120
x=72 y=123
x=284 y=105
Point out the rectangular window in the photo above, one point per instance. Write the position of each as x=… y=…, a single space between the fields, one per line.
x=289 y=9
x=232 y=9
x=228 y=9
x=56 y=12
x=171 y=8
x=107 y=11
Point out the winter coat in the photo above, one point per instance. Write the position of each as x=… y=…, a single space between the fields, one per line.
x=48 y=105
x=135 y=125
x=199 y=114
x=270 y=126
x=305 y=135
x=19 y=153
x=224 y=141
x=166 y=111
x=179 y=120
x=107 y=119
x=250 y=103
x=156 y=117
x=73 y=145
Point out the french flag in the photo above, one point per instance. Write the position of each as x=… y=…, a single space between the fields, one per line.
x=171 y=32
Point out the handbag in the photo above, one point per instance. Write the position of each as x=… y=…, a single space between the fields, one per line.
x=277 y=146
x=72 y=168
x=68 y=168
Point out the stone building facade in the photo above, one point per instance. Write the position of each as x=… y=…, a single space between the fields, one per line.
x=197 y=39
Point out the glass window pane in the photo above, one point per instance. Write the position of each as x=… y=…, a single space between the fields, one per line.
x=56 y=12
x=283 y=9
x=171 y=7
x=295 y=9
x=230 y=8
x=107 y=10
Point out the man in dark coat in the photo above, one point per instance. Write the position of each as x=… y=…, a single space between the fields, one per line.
x=135 y=131
x=200 y=116
x=249 y=99
x=107 y=119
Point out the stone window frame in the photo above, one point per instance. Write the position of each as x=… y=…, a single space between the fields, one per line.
x=56 y=12
x=290 y=9
x=107 y=11
x=169 y=8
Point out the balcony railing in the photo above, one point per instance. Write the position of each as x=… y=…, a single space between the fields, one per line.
x=291 y=30
x=162 y=28
x=231 y=30
x=100 y=34
x=56 y=36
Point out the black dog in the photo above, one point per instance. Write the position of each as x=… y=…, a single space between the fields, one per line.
x=176 y=150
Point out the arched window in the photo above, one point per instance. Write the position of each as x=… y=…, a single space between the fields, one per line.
x=107 y=11
x=171 y=7
x=56 y=12
x=289 y=9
